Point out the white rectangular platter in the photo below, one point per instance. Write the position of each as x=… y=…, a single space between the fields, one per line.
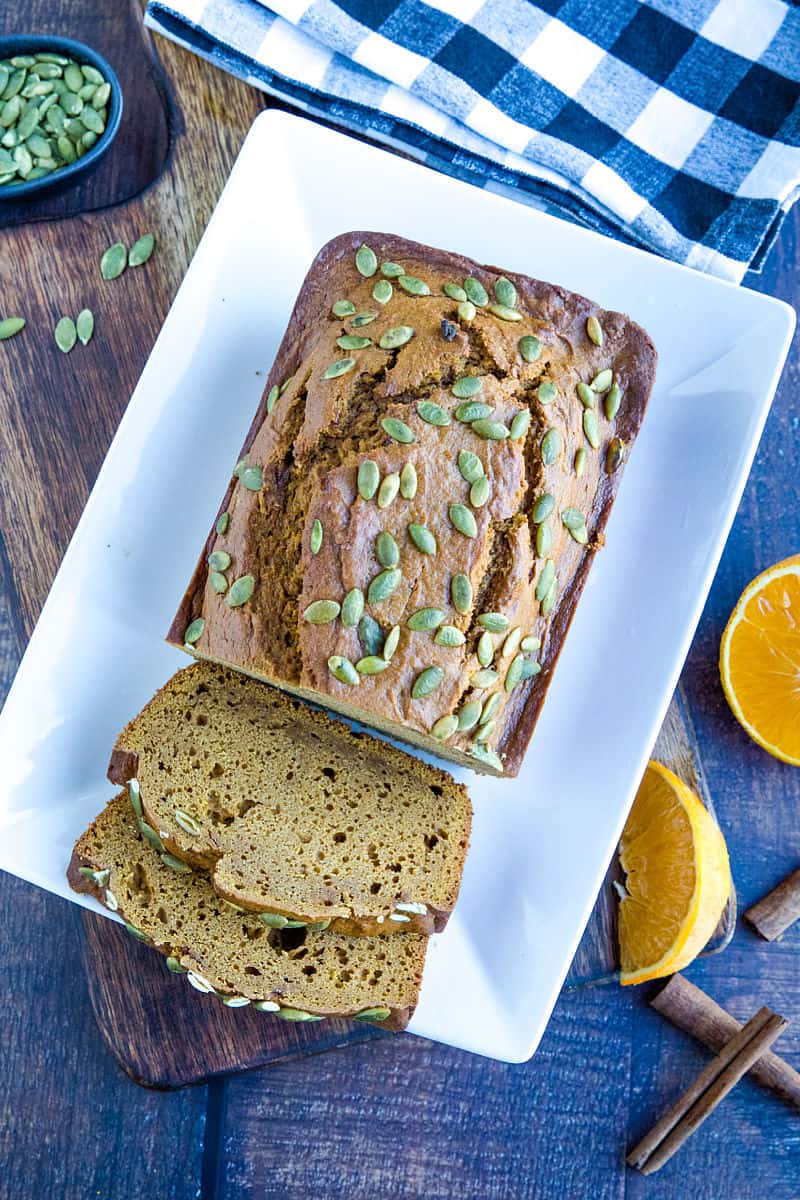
x=541 y=843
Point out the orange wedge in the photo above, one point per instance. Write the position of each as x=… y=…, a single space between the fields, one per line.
x=678 y=878
x=759 y=660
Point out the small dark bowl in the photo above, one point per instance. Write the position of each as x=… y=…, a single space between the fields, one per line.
x=9 y=46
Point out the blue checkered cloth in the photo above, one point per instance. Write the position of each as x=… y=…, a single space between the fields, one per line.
x=674 y=124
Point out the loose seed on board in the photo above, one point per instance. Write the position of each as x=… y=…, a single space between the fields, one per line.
x=530 y=348
x=445 y=727
x=353 y=608
x=551 y=447
x=585 y=395
x=383 y=585
x=391 y=643
x=382 y=292
x=315 y=539
x=504 y=313
x=454 y=292
x=425 y=620
x=321 y=612
x=84 y=326
x=408 y=481
x=542 y=508
x=470 y=466
x=368 y=479
x=495 y=622
x=387 y=492
x=352 y=341
x=11 y=326
x=272 y=398
x=612 y=400
x=594 y=331
x=466 y=311
x=342 y=669
x=546 y=392
x=66 y=334
x=615 y=455
x=469 y=715
x=114 y=261
x=219 y=560
x=391 y=270
x=466 y=386
x=479 y=492
x=580 y=461
x=520 y=425
x=343 y=308
x=387 y=551
x=485 y=649
x=461 y=594
x=505 y=292
x=240 y=591
x=194 y=631
x=398 y=430
x=591 y=428
x=428 y=680
x=142 y=248
x=366 y=261
x=412 y=285
x=340 y=367
x=432 y=413
x=393 y=338
x=463 y=520
x=473 y=410
x=371 y=665
x=422 y=538
x=602 y=380
x=476 y=292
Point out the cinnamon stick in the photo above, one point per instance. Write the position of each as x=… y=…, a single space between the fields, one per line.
x=691 y=1010
x=779 y=909
x=711 y=1086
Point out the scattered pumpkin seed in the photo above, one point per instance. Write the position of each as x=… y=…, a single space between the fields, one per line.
x=575 y=522
x=66 y=334
x=432 y=413
x=461 y=594
x=272 y=398
x=542 y=508
x=372 y=1014
x=218 y=582
x=321 y=612
x=371 y=665
x=370 y=635
x=530 y=348
x=504 y=313
x=387 y=551
x=408 y=481
x=422 y=538
x=315 y=539
x=466 y=311
x=454 y=292
x=114 y=261
x=449 y=635
x=615 y=455
x=485 y=650
x=485 y=678
x=473 y=410
x=580 y=461
x=505 y=292
x=368 y=479
x=546 y=579
x=594 y=331
x=187 y=822
x=612 y=401
x=240 y=591
x=391 y=643
x=487 y=756
x=387 y=492
x=142 y=248
x=342 y=669
x=469 y=715
x=382 y=292
x=551 y=447
x=425 y=620
x=365 y=318
x=383 y=585
x=476 y=292
x=366 y=261
x=84 y=326
x=585 y=395
x=219 y=560
x=470 y=466
x=445 y=727
x=398 y=430
x=194 y=631
x=490 y=708
x=544 y=539
x=463 y=520
x=393 y=338
x=485 y=731
x=591 y=428
x=391 y=270
x=492 y=431
x=252 y=478
x=340 y=367
x=352 y=341
x=479 y=492
x=10 y=326
x=352 y=608
x=428 y=680
x=412 y=285
x=602 y=380
x=520 y=425
x=343 y=308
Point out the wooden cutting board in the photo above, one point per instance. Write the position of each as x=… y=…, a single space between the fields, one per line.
x=184 y=123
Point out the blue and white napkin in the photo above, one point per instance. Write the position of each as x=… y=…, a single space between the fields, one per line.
x=673 y=124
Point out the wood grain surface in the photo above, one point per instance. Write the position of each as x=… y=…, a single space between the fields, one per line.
x=398 y=1117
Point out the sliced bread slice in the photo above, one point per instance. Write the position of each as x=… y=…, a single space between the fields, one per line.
x=297 y=973
x=292 y=813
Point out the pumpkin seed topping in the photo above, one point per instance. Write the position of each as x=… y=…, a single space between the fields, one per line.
x=393 y=338
x=549 y=601
x=194 y=631
x=485 y=650
x=575 y=522
x=412 y=285
x=520 y=425
x=272 y=398
x=454 y=292
x=428 y=680
x=383 y=585
x=382 y=292
x=542 y=508
x=547 y=392
x=371 y=665
x=187 y=823
x=479 y=492
x=504 y=313
x=450 y=635
x=476 y=292
x=580 y=461
x=368 y=479
x=546 y=579
x=463 y=520
x=321 y=612
x=445 y=727
x=387 y=550
x=473 y=410
x=252 y=478
x=602 y=380
x=352 y=608
x=469 y=715
x=529 y=644
x=352 y=341
x=530 y=348
x=387 y=492
x=434 y=414
x=340 y=367
x=594 y=331
x=408 y=481
x=223 y=521
x=585 y=395
x=530 y=668
x=485 y=678
x=370 y=635
x=544 y=539
x=492 y=431
x=551 y=447
x=343 y=308
x=495 y=622
x=317 y=534
x=466 y=311
x=484 y=731
x=366 y=261
x=512 y=642
x=490 y=708
x=240 y=591
x=425 y=620
x=422 y=538
x=219 y=560
x=470 y=466
x=391 y=643
x=218 y=582
x=466 y=386
x=366 y=318
x=591 y=428
x=391 y=270
x=461 y=594
x=486 y=755
x=342 y=669
x=514 y=673
x=505 y=292
x=612 y=401
x=615 y=455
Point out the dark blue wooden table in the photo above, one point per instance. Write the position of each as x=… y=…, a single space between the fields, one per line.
x=402 y=1117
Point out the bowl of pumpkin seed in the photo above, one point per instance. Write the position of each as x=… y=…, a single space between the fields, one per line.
x=60 y=109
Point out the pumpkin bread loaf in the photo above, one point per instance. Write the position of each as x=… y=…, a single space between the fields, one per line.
x=421 y=495
x=298 y=973
x=293 y=814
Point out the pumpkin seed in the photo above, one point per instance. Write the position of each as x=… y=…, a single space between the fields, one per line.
x=424 y=620
x=84 y=326
x=469 y=715
x=485 y=678
x=352 y=341
x=383 y=585
x=342 y=669
x=223 y=520
x=466 y=311
x=391 y=643
x=514 y=673
x=187 y=823
x=461 y=594
x=393 y=338
x=100 y=878
x=66 y=334
x=504 y=313
x=505 y=292
x=602 y=380
x=398 y=917
x=544 y=539
x=387 y=551
x=365 y=318
x=551 y=447
x=422 y=538
x=252 y=478
x=315 y=539
x=546 y=579
x=580 y=461
x=479 y=492
x=370 y=635
x=10 y=326
x=542 y=508
x=135 y=797
x=101 y=96
x=391 y=270
x=111 y=900
x=240 y=591
x=321 y=612
x=490 y=708
x=340 y=367
x=149 y=834
x=266 y=1006
x=432 y=413
x=591 y=428
x=548 y=603
x=318 y=926
x=575 y=522
x=273 y=920
x=485 y=731
x=594 y=331
x=382 y=292
x=492 y=431
x=198 y=983
x=366 y=261
x=398 y=430
x=38 y=146
x=485 y=650
x=352 y=608
x=449 y=635
x=408 y=481
x=470 y=466
x=218 y=582
x=412 y=285
x=530 y=643
x=530 y=348
x=142 y=248
x=343 y=308
x=520 y=425
x=585 y=395
x=529 y=669
x=194 y=631
x=466 y=386
x=372 y=1014
x=474 y=410
x=495 y=622
x=476 y=292
x=463 y=520
x=219 y=560
x=512 y=642
x=387 y=492
x=371 y=665
x=615 y=455
x=272 y=398
x=428 y=680
x=445 y=727
x=612 y=401
x=547 y=392
x=137 y=933
x=73 y=77
x=114 y=261
x=487 y=756
x=454 y=292
x=368 y=479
